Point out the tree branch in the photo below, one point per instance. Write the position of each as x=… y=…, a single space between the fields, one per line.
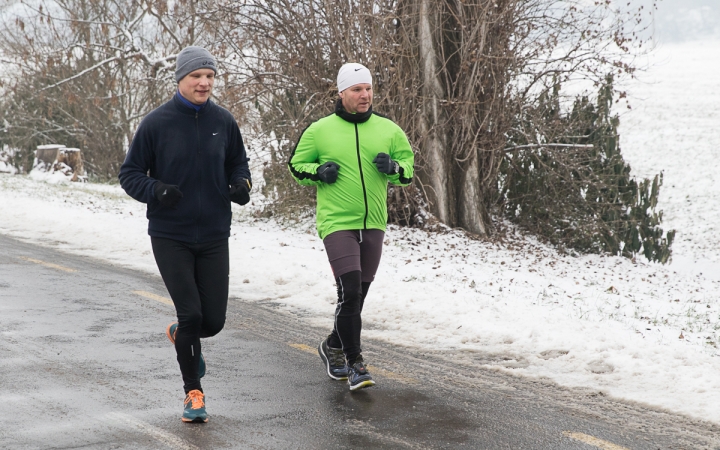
x=518 y=147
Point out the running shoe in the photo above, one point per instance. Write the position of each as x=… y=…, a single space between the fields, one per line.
x=170 y=331
x=195 y=407
x=358 y=376
x=334 y=360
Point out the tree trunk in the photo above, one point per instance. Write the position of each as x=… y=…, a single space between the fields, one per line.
x=435 y=173
x=453 y=188
x=471 y=211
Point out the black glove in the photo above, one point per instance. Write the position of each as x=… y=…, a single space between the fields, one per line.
x=328 y=172
x=240 y=193
x=169 y=195
x=385 y=164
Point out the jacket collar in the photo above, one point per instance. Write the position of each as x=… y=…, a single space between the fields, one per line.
x=182 y=106
x=353 y=118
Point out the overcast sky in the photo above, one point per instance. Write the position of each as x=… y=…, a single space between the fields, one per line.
x=682 y=20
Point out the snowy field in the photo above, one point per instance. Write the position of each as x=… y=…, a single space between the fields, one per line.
x=674 y=127
x=638 y=331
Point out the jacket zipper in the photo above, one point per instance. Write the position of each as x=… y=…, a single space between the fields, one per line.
x=362 y=177
x=197 y=220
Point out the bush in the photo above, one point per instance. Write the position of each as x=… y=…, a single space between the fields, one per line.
x=571 y=185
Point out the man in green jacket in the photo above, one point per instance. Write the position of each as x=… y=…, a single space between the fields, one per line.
x=350 y=156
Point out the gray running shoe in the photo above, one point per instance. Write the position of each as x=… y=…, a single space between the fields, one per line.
x=334 y=360
x=358 y=376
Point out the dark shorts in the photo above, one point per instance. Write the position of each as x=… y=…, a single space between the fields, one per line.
x=351 y=250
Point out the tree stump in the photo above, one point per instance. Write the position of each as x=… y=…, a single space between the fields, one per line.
x=46 y=156
x=72 y=157
x=58 y=158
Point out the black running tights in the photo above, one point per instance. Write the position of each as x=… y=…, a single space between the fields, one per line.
x=196 y=276
x=348 y=322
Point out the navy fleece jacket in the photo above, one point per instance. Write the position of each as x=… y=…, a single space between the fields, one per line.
x=201 y=152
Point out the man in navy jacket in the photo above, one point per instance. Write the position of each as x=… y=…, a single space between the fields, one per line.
x=187 y=161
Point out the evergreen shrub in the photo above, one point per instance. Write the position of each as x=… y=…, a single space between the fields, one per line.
x=564 y=178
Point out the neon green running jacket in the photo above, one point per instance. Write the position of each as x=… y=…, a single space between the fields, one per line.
x=358 y=199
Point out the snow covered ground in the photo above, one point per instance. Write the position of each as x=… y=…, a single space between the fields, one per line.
x=674 y=127
x=638 y=331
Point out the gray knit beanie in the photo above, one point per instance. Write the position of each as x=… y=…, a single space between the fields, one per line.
x=193 y=58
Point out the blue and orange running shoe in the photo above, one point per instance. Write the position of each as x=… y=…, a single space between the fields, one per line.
x=195 y=407
x=170 y=331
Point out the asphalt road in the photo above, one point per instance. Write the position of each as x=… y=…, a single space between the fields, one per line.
x=84 y=363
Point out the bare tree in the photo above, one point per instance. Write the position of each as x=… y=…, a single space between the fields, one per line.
x=454 y=74
x=464 y=63
x=84 y=72
x=459 y=76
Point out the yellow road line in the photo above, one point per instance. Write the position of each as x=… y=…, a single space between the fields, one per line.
x=156 y=297
x=595 y=442
x=372 y=369
x=303 y=347
x=392 y=375
x=47 y=264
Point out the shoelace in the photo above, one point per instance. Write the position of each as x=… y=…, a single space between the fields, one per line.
x=197 y=399
x=336 y=357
